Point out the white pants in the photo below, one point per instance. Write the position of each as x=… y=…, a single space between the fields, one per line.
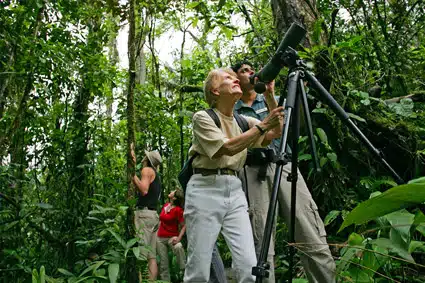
x=214 y=203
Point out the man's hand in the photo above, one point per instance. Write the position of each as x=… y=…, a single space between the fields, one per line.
x=174 y=240
x=269 y=89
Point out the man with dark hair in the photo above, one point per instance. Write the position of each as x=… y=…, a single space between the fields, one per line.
x=146 y=217
x=315 y=254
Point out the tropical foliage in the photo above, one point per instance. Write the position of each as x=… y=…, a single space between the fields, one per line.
x=67 y=91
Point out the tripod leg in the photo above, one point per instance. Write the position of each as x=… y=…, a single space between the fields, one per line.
x=309 y=127
x=293 y=177
x=346 y=119
x=260 y=270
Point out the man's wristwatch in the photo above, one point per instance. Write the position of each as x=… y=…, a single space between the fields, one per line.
x=262 y=131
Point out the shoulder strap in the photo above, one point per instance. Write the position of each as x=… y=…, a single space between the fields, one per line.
x=242 y=122
x=214 y=116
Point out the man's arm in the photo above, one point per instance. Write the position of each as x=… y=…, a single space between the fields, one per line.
x=269 y=96
x=147 y=177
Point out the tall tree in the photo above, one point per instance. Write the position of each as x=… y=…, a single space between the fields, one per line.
x=131 y=138
x=286 y=12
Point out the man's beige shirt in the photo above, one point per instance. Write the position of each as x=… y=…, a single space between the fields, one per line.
x=208 y=139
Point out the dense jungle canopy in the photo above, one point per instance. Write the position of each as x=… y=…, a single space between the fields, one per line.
x=70 y=107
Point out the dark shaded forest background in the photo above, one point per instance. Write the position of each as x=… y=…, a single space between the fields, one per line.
x=69 y=112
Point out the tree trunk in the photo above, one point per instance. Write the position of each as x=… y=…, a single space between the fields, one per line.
x=157 y=83
x=78 y=187
x=305 y=13
x=114 y=59
x=181 y=98
x=20 y=114
x=141 y=67
x=131 y=261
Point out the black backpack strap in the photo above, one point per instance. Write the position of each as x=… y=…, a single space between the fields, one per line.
x=214 y=116
x=242 y=122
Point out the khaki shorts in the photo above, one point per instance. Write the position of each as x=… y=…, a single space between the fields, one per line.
x=146 y=222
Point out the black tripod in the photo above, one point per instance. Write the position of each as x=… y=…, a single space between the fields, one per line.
x=297 y=95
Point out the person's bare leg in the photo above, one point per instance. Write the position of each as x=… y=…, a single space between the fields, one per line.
x=153 y=269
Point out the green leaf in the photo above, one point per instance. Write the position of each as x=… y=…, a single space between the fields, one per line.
x=355 y=239
x=392 y=246
x=304 y=157
x=113 y=270
x=130 y=243
x=356 y=117
x=331 y=217
x=419 y=223
x=417 y=181
x=35 y=276
x=392 y=200
x=94 y=218
x=319 y=110
x=119 y=239
x=323 y=161
x=10 y=225
x=227 y=32
x=42 y=274
x=401 y=221
x=347 y=255
x=416 y=245
x=65 y=272
x=136 y=252
x=376 y=258
x=332 y=156
x=44 y=205
x=322 y=135
x=92 y=267
x=193 y=4
x=195 y=22
x=359 y=274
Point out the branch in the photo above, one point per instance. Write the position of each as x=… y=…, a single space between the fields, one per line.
x=242 y=34
x=404 y=18
x=244 y=11
x=184 y=88
x=334 y=13
x=415 y=97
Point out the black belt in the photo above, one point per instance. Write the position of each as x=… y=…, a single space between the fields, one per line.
x=219 y=171
x=145 y=208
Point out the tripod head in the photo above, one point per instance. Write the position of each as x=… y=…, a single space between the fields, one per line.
x=291 y=59
x=292 y=38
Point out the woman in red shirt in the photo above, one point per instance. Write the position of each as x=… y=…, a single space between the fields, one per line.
x=170 y=232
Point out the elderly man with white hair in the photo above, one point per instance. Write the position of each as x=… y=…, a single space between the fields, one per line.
x=215 y=200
